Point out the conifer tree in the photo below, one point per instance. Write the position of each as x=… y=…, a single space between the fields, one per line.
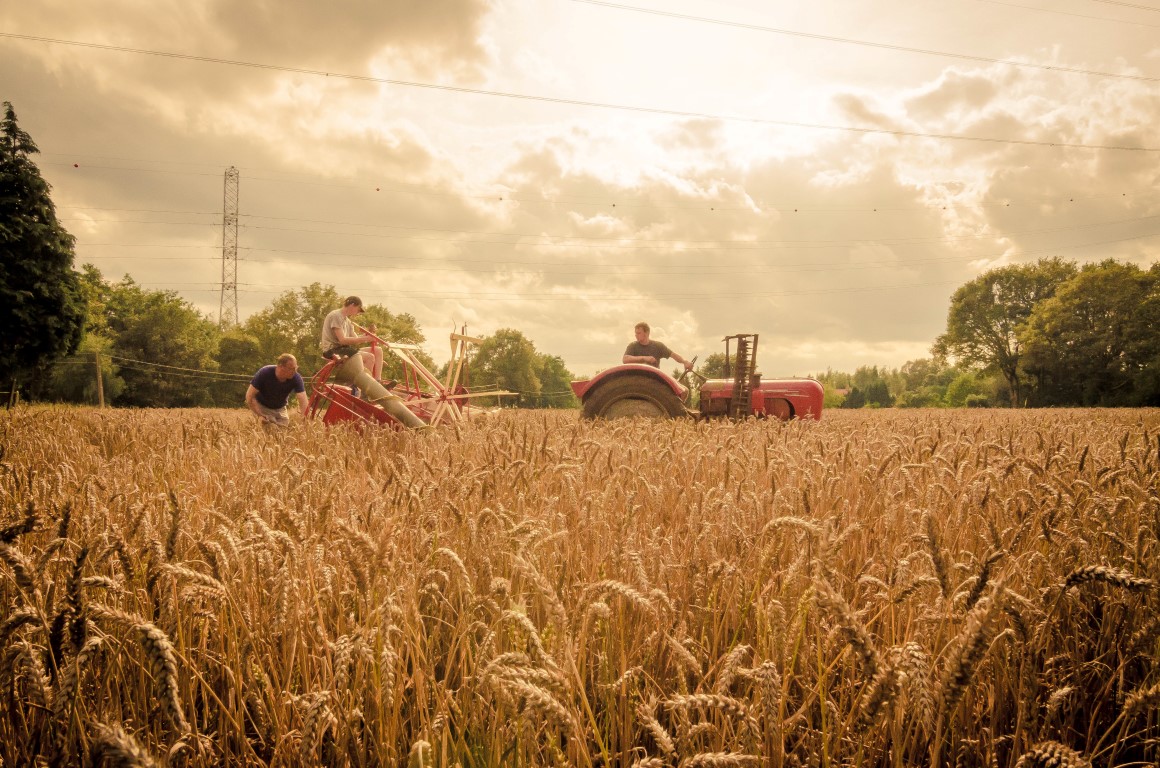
x=42 y=311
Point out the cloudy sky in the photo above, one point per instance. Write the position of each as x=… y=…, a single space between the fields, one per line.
x=824 y=174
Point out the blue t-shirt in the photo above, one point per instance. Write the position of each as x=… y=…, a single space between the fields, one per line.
x=273 y=393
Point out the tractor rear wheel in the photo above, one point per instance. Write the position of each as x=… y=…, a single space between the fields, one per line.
x=633 y=395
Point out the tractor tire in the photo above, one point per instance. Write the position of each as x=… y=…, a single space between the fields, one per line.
x=633 y=395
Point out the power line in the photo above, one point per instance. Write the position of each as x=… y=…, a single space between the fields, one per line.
x=637 y=243
x=869 y=44
x=597 y=104
x=1069 y=13
x=132 y=210
x=117 y=167
x=176 y=368
x=586 y=268
x=136 y=221
x=1129 y=5
x=605 y=201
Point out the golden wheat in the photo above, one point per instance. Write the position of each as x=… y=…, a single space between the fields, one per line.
x=876 y=589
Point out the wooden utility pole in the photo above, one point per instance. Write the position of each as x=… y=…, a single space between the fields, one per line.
x=100 y=380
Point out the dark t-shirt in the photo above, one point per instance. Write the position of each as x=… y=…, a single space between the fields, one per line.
x=654 y=348
x=273 y=393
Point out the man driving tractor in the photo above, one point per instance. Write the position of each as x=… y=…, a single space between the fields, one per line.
x=649 y=351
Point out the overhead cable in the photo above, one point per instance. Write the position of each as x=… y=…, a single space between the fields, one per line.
x=1069 y=13
x=869 y=44
x=594 y=104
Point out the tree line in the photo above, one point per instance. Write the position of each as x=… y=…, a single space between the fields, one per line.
x=1045 y=334
x=154 y=349
x=1048 y=334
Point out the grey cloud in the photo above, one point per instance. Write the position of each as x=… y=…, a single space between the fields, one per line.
x=700 y=134
x=439 y=34
x=954 y=93
x=859 y=112
x=341 y=36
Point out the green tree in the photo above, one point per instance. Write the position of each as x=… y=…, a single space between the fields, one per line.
x=713 y=366
x=508 y=359
x=42 y=311
x=163 y=347
x=856 y=398
x=831 y=397
x=555 y=382
x=1095 y=342
x=400 y=328
x=988 y=314
x=871 y=383
x=293 y=323
x=74 y=379
x=961 y=389
x=239 y=354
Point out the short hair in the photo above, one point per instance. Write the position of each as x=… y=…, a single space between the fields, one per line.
x=355 y=300
x=287 y=358
x=642 y=327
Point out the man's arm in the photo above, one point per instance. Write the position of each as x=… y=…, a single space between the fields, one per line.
x=251 y=399
x=303 y=403
x=350 y=341
x=682 y=361
x=646 y=359
x=339 y=331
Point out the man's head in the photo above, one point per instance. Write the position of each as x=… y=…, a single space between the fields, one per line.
x=286 y=368
x=642 y=332
x=352 y=306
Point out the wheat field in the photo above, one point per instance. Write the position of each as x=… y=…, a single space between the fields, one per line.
x=882 y=588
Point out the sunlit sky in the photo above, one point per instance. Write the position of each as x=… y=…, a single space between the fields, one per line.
x=823 y=174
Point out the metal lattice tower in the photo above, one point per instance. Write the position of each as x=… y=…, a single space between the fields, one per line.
x=228 y=316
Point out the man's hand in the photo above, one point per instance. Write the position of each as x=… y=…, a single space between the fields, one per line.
x=688 y=365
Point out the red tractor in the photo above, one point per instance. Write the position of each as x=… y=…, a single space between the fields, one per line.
x=641 y=390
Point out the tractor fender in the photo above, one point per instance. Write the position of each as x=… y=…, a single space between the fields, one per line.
x=582 y=388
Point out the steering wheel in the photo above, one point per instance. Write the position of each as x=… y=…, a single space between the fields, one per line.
x=691 y=373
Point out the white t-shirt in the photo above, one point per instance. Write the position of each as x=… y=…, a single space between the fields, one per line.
x=334 y=322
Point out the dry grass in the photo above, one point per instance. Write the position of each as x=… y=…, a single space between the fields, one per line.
x=878 y=589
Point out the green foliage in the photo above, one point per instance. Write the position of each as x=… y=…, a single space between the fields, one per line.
x=713 y=366
x=293 y=323
x=855 y=399
x=509 y=360
x=163 y=344
x=869 y=390
x=923 y=397
x=1095 y=342
x=964 y=387
x=238 y=353
x=74 y=379
x=402 y=328
x=831 y=397
x=42 y=311
x=988 y=315
x=555 y=383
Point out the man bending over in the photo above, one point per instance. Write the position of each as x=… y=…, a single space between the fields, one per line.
x=269 y=391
